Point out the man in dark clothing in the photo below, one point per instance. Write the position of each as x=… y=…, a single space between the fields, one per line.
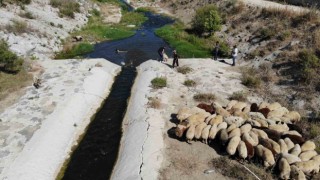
x=161 y=52
x=216 y=51
x=175 y=58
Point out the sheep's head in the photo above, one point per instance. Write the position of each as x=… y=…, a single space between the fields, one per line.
x=180 y=130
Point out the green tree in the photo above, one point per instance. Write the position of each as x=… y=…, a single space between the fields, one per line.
x=207 y=19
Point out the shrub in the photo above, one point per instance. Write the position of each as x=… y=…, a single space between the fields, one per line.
x=184 y=69
x=27 y=14
x=159 y=82
x=189 y=83
x=96 y=12
x=239 y=96
x=207 y=19
x=77 y=50
x=67 y=8
x=250 y=78
x=9 y=61
x=267 y=33
x=310 y=65
x=154 y=103
x=204 y=97
x=284 y=35
x=18 y=27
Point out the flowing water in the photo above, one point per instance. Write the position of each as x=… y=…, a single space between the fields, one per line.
x=97 y=153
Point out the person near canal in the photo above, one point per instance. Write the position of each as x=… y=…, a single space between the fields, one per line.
x=216 y=51
x=175 y=58
x=234 y=55
x=161 y=53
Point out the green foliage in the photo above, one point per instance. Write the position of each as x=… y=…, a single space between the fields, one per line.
x=67 y=8
x=204 y=97
x=184 y=70
x=96 y=12
x=144 y=10
x=135 y=18
x=159 y=82
x=77 y=50
x=310 y=65
x=284 y=35
x=250 y=78
x=187 y=45
x=267 y=33
x=189 y=83
x=9 y=61
x=207 y=19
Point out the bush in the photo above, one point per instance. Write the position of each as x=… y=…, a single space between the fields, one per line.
x=27 y=14
x=67 y=8
x=9 y=61
x=310 y=65
x=18 y=27
x=239 y=96
x=207 y=19
x=189 y=83
x=250 y=78
x=159 y=82
x=96 y=12
x=204 y=97
x=267 y=33
x=77 y=50
x=184 y=69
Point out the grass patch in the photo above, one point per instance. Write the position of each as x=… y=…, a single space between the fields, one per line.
x=204 y=97
x=154 y=103
x=250 y=78
x=9 y=61
x=184 y=70
x=18 y=27
x=13 y=82
x=189 y=83
x=232 y=169
x=188 y=45
x=239 y=96
x=159 y=82
x=27 y=14
x=135 y=18
x=75 y=51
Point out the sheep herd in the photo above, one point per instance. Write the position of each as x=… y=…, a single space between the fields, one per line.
x=266 y=132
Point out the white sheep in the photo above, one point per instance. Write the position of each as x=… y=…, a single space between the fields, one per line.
x=209 y=118
x=234 y=120
x=213 y=131
x=259 y=150
x=291 y=158
x=205 y=134
x=242 y=150
x=199 y=129
x=316 y=158
x=308 y=146
x=296 y=173
x=196 y=119
x=264 y=105
x=183 y=113
x=245 y=128
x=249 y=139
x=284 y=168
x=216 y=120
x=268 y=158
x=296 y=150
x=279 y=127
x=231 y=104
x=274 y=106
x=239 y=105
x=222 y=125
x=294 y=116
x=275 y=146
x=262 y=122
x=231 y=127
x=307 y=155
x=256 y=115
x=254 y=123
x=283 y=146
x=234 y=132
x=254 y=137
x=308 y=167
x=260 y=133
x=190 y=133
x=233 y=144
x=289 y=143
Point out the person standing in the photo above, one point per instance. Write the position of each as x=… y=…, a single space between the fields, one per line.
x=161 y=52
x=234 y=55
x=175 y=58
x=216 y=51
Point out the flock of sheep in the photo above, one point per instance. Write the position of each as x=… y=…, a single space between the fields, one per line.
x=266 y=132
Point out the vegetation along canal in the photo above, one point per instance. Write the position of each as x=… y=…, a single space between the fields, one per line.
x=97 y=153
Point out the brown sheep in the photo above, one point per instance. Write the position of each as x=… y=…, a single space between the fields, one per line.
x=294 y=138
x=254 y=107
x=295 y=128
x=180 y=130
x=265 y=143
x=208 y=108
x=272 y=134
x=250 y=149
x=265 y=112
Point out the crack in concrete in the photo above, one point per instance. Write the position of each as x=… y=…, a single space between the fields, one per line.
x=142 y=148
